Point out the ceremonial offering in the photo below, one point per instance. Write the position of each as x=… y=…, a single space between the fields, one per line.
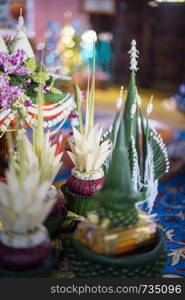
x=88 y=154
x=25 y=247
x=49 y=164
x=117 y=240
x=100 y=239
x=148 y=157
x=92 y=140
x=20 y=76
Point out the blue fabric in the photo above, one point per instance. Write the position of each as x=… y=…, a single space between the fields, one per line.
x=170 y=209
x=62 y=176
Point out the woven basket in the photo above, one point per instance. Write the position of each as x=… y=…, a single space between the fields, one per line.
x=122 y=218
x=145 y=262
x=79 y=204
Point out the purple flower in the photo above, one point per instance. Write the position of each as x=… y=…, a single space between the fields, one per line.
x=84 y=95
x=47 y=88
x=8 y=93
x=14 y=63
x=27 y=102
x=28 y=81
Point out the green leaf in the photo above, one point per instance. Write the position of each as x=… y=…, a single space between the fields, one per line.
x=48 y=97
x=118 y=181
x=10 y=44
x=160 y=163
x=79 y=104
x=31 y=64
x=92 y=95
x=130 y=100
x=54 y=90
x=41 y=77
x=87 y=104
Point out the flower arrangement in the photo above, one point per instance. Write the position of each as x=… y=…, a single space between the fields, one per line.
x=24 y=241
x=19 y=78
x=49 y=162
x=88 y=154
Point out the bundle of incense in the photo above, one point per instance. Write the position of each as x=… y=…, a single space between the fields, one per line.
x=117 y=241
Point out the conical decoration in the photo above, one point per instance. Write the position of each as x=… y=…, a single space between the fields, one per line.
x=3 y=47
x=130 y=104
x=118 y=188
x=148 y=157
x=21 y=39
x=118 y=196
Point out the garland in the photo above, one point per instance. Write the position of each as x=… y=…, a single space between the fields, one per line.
x=54 y=114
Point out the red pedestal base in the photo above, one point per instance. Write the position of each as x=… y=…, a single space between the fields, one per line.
x=84 y=187
x=24 y=258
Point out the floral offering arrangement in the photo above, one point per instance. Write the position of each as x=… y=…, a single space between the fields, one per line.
x=49 y=165
x=25 y=247
x=30 y=204
x=19 y=81
x=115 y=173
x=20 y=77
x=88 y=154
x=118 y=239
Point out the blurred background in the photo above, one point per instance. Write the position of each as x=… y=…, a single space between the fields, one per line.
x=158 y=26
x=62 y=29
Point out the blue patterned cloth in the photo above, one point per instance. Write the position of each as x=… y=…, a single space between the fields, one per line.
x=170 y=209
x=169 y=213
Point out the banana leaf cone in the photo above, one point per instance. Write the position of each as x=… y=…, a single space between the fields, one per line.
x=118 y=197
x=129 y=122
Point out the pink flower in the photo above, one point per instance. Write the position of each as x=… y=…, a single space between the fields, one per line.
x=27 y=102
x=8 y=93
